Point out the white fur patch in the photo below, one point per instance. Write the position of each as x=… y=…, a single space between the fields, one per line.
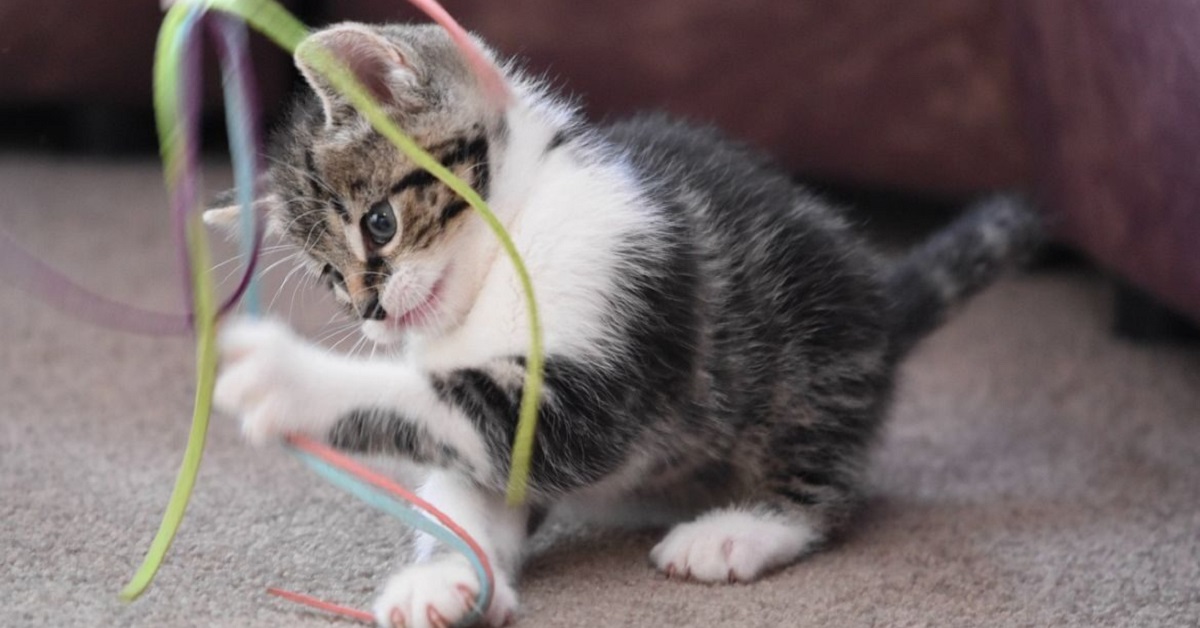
x=732 y=546
x=567 y=217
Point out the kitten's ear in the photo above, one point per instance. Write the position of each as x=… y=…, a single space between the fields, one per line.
x=375 y=62
x=228 y=217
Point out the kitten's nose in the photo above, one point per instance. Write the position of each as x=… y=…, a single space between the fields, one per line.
x=373 y=310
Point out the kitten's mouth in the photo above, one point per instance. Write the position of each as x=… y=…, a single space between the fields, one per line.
x=419 y=314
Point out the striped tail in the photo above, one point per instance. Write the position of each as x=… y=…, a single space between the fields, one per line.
x=996 y=235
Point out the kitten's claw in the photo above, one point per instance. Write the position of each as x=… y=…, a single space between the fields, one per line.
x=435 y=618
x=439 y=594
x=467 y=594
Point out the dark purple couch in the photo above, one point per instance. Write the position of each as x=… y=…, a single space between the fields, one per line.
x=1091 y=102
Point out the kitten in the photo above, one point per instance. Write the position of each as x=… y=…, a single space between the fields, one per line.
x=720 y=345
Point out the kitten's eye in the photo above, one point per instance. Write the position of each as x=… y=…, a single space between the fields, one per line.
x=380 y=223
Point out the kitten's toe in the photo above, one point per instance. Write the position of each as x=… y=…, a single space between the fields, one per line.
x=253 y=356
x=254 y=388
x=438 y=595
x=731 y=546
x=264 y=424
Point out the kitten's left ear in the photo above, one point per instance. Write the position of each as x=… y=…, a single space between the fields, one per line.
x=228 y=217
x=376 y=62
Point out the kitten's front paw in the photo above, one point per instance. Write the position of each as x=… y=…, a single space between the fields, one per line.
x=265 y=380
x=730 y=546
x=438 y=594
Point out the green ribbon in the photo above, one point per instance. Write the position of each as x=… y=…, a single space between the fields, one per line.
x=285 y=30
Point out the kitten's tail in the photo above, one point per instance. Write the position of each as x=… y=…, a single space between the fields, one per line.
x=999 y=233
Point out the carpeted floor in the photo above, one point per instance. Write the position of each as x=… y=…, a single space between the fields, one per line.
x=1036 y=471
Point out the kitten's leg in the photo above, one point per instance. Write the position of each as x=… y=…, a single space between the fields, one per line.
x=462 y=421
x=441 y=587
x=277 y=384
x=805 y=487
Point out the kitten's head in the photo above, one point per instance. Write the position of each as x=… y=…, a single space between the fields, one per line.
x=385 y=236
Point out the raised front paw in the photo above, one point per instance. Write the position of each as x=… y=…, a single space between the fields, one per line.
x=268 y=379
x=440 y=594
x=731 y=546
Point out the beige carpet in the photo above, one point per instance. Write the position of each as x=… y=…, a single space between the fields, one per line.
x=1036 y=472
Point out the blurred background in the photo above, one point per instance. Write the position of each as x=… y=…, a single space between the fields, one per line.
x=1090 y=105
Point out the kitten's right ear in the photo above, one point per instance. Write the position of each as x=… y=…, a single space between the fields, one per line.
x=228 y=217
x=376 y=62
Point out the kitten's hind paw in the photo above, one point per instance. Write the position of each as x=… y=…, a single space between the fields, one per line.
x=438 y=594
x=731 y=546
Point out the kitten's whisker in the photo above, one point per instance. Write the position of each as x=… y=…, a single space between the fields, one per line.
x=312 y=238
x=307 y=282
x=331 y=319
x=336 y=344
x=295 y=290
x=282 y=284
x=220 y=265
x=239 y=269
x=238 y=258
x=340 y=330
x=308 y=239
x=294 y=219
x=344 y=335
x=277 y=263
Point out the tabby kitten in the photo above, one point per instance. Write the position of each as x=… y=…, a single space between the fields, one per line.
x=720 y=346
